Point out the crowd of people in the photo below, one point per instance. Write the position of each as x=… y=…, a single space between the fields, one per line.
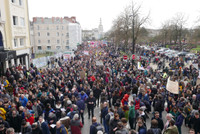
x=54 y=99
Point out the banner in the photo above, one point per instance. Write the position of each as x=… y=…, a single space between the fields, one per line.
x=172 y=86
x=140 y=67
x=99 y=63
x=86 y=52
x=196 y=66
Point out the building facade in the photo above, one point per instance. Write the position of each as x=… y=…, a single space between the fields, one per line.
x=55 y=34
x=75 y=35
x=94 y=34
x=14 y=31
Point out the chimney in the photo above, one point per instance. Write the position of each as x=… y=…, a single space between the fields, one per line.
x=42 y=20
x=53 y=19
x=34 y=19
x=73 y=18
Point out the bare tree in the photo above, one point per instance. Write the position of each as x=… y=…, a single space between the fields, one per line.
x=128 y=21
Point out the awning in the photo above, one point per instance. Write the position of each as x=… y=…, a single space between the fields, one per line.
x=7 y=55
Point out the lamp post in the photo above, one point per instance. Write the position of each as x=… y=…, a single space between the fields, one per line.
x=133 y=36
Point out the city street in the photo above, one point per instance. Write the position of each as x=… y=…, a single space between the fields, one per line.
x=88 y=122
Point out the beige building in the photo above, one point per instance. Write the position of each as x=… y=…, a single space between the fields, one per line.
x=53 y=34
x=14 y=33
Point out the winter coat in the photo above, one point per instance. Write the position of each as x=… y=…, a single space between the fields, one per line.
x=45 y=128
x=26 y=130
x=131 y=112
x=76 y=126
x=104 y=112
x=112 y=125
x=81 y=105
x=61 y=130
x=160 y=123
x=15 y=122
x=122 y=131
x=91 y=102
x=179 y=120
x=196 y=124
x=171 y=130
x=154 y=131
x=142 y=130
x=83 y=97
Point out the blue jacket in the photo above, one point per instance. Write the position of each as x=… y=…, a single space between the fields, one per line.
x=104 y=112
x=93 y=128
x=45 y=128
x=142 y=130
x=179 y=120
x=83 y=97
x=23 y=101
x=81 y=105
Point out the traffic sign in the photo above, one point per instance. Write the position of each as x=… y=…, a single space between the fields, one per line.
x=133 y=57
x=125 y=57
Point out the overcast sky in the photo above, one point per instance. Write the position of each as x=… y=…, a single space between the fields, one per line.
x=89 y=12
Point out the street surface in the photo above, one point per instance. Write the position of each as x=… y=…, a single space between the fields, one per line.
x=88 y=122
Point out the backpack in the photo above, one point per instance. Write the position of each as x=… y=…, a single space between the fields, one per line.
x=99 y=129
x=109 y=117
x=39 y=109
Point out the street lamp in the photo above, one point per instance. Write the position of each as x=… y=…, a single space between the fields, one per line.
x=133 y=36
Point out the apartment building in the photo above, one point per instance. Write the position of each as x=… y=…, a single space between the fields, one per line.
x=14 y=33
x=55 y=34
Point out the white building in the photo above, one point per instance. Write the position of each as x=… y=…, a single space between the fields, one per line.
x=94 y=34
x=75 y=35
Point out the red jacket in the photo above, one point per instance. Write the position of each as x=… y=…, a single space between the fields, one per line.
x=30 y=120
x=76 y=126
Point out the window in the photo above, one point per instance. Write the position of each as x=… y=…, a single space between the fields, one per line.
x=48 y=34
x=67 y=34
x=48 y=47
x=21 y=41
x=39 y=47
x=22 y=21
x=58 y=47
x=47 y=28
x=62 y=27
x=38 y=33
x=20 y=2
x=39 y=41
x=57 y=27
x=57 y=33
x=15 y=20
x=67 y=42
x=13 y=1
x=67 y=47
x=49 y=41
x=38 y=27
x=15 y=43
x=58 y=41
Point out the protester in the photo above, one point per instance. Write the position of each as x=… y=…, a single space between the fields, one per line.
x=125 y=91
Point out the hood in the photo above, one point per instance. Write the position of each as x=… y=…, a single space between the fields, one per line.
x=75 y=122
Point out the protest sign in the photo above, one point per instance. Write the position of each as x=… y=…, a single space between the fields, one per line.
x=195 y=66
x=99 y=63
x=172 y=86
x=140 y=67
